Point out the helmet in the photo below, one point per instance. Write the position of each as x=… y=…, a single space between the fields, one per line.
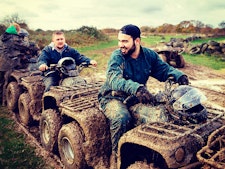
x=67 y=66
x=187 y=104
x=23 y=32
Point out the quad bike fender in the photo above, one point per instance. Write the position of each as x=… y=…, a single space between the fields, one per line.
x=97 y=145
x=180 y=152
x=18 y=74
x=35 y=87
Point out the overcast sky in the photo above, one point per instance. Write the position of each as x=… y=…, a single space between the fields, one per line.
x=72 y=14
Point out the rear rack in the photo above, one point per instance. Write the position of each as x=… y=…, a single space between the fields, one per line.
x=81 y=103
x=78 y=87
x=84 y=96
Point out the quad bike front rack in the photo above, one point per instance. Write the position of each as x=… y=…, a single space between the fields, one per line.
x=213 y=154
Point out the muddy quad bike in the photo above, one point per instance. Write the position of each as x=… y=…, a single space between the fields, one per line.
x=171 y=144
x=71 y=86
x=78 y=131
x=24 y=90
x=172 y=56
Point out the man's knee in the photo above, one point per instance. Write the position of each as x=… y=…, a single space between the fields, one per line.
x=118 y=115
x=50 y=81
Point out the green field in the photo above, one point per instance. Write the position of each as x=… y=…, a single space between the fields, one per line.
x=95 y=51
x=15 y=153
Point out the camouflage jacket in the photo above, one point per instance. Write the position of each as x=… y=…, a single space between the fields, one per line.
x=14 y=50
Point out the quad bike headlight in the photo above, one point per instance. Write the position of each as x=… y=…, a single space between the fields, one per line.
x=179 y=154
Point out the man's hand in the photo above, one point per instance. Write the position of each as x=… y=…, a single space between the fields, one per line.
x=93 y=62
x=144 y=96
x=43 y=67
x=183 y=80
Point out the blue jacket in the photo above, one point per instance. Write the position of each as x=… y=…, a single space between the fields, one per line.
x=50 y=55
x=127 y=74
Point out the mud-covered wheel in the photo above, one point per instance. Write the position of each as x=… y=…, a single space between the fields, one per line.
x=195 y=50
x=163 y=57
x=70 y=142
x=142 y=165
x=24 y=109
x=180 y=61
x=13 y=92
x=50 y=124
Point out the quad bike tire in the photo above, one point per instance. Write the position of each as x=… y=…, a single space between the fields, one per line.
x=142 y=165
x=163 y=57
x=70 y=143
x=195 y=50
x=180 y=63
x=13 y=92
x=24 y=109
x=50 y=124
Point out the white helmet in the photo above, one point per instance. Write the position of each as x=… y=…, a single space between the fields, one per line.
x=67 y=66
x=187 y=104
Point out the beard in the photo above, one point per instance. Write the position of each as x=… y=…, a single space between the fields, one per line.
x=130 y=51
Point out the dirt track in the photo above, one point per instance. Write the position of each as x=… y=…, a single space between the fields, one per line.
x=211 y=82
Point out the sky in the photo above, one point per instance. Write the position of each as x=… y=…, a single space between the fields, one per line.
x=73 y=14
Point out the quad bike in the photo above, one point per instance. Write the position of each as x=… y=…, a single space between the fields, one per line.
x=73 y=126
x=171 y=144
x=172 y=56
x=25 y=88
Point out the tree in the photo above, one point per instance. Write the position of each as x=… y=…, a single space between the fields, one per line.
x=198 y=26
x=222 y=24
x=7 y=20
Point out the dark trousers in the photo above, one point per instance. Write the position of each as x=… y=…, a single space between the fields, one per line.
x=51 y=80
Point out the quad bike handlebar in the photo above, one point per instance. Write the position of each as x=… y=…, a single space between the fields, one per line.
x=55 y=67
x=131 y=100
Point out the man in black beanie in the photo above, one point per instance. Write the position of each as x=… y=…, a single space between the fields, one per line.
x=128 y=71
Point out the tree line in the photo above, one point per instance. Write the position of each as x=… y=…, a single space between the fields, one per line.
x=189 y=26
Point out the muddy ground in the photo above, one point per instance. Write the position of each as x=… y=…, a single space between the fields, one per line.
x=211 y=82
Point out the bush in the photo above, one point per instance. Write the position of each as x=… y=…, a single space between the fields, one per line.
x=93 y=32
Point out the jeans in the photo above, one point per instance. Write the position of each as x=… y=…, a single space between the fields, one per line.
x=123 y=119
x=51 y=80
x=120 y=120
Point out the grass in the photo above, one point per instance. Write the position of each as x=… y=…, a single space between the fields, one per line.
x=95 y=51
x=214 y=62
x=205 y=40
x=98 y=46
x=14 y=152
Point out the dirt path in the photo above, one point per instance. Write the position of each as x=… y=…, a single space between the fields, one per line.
x=209 y=81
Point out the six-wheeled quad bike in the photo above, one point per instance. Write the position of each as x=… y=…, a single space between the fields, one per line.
x=73 y=126
x=172 y=56
x=25 y=88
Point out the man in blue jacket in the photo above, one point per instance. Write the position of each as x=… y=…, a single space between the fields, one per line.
x=128 y=70
x=56 y=50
